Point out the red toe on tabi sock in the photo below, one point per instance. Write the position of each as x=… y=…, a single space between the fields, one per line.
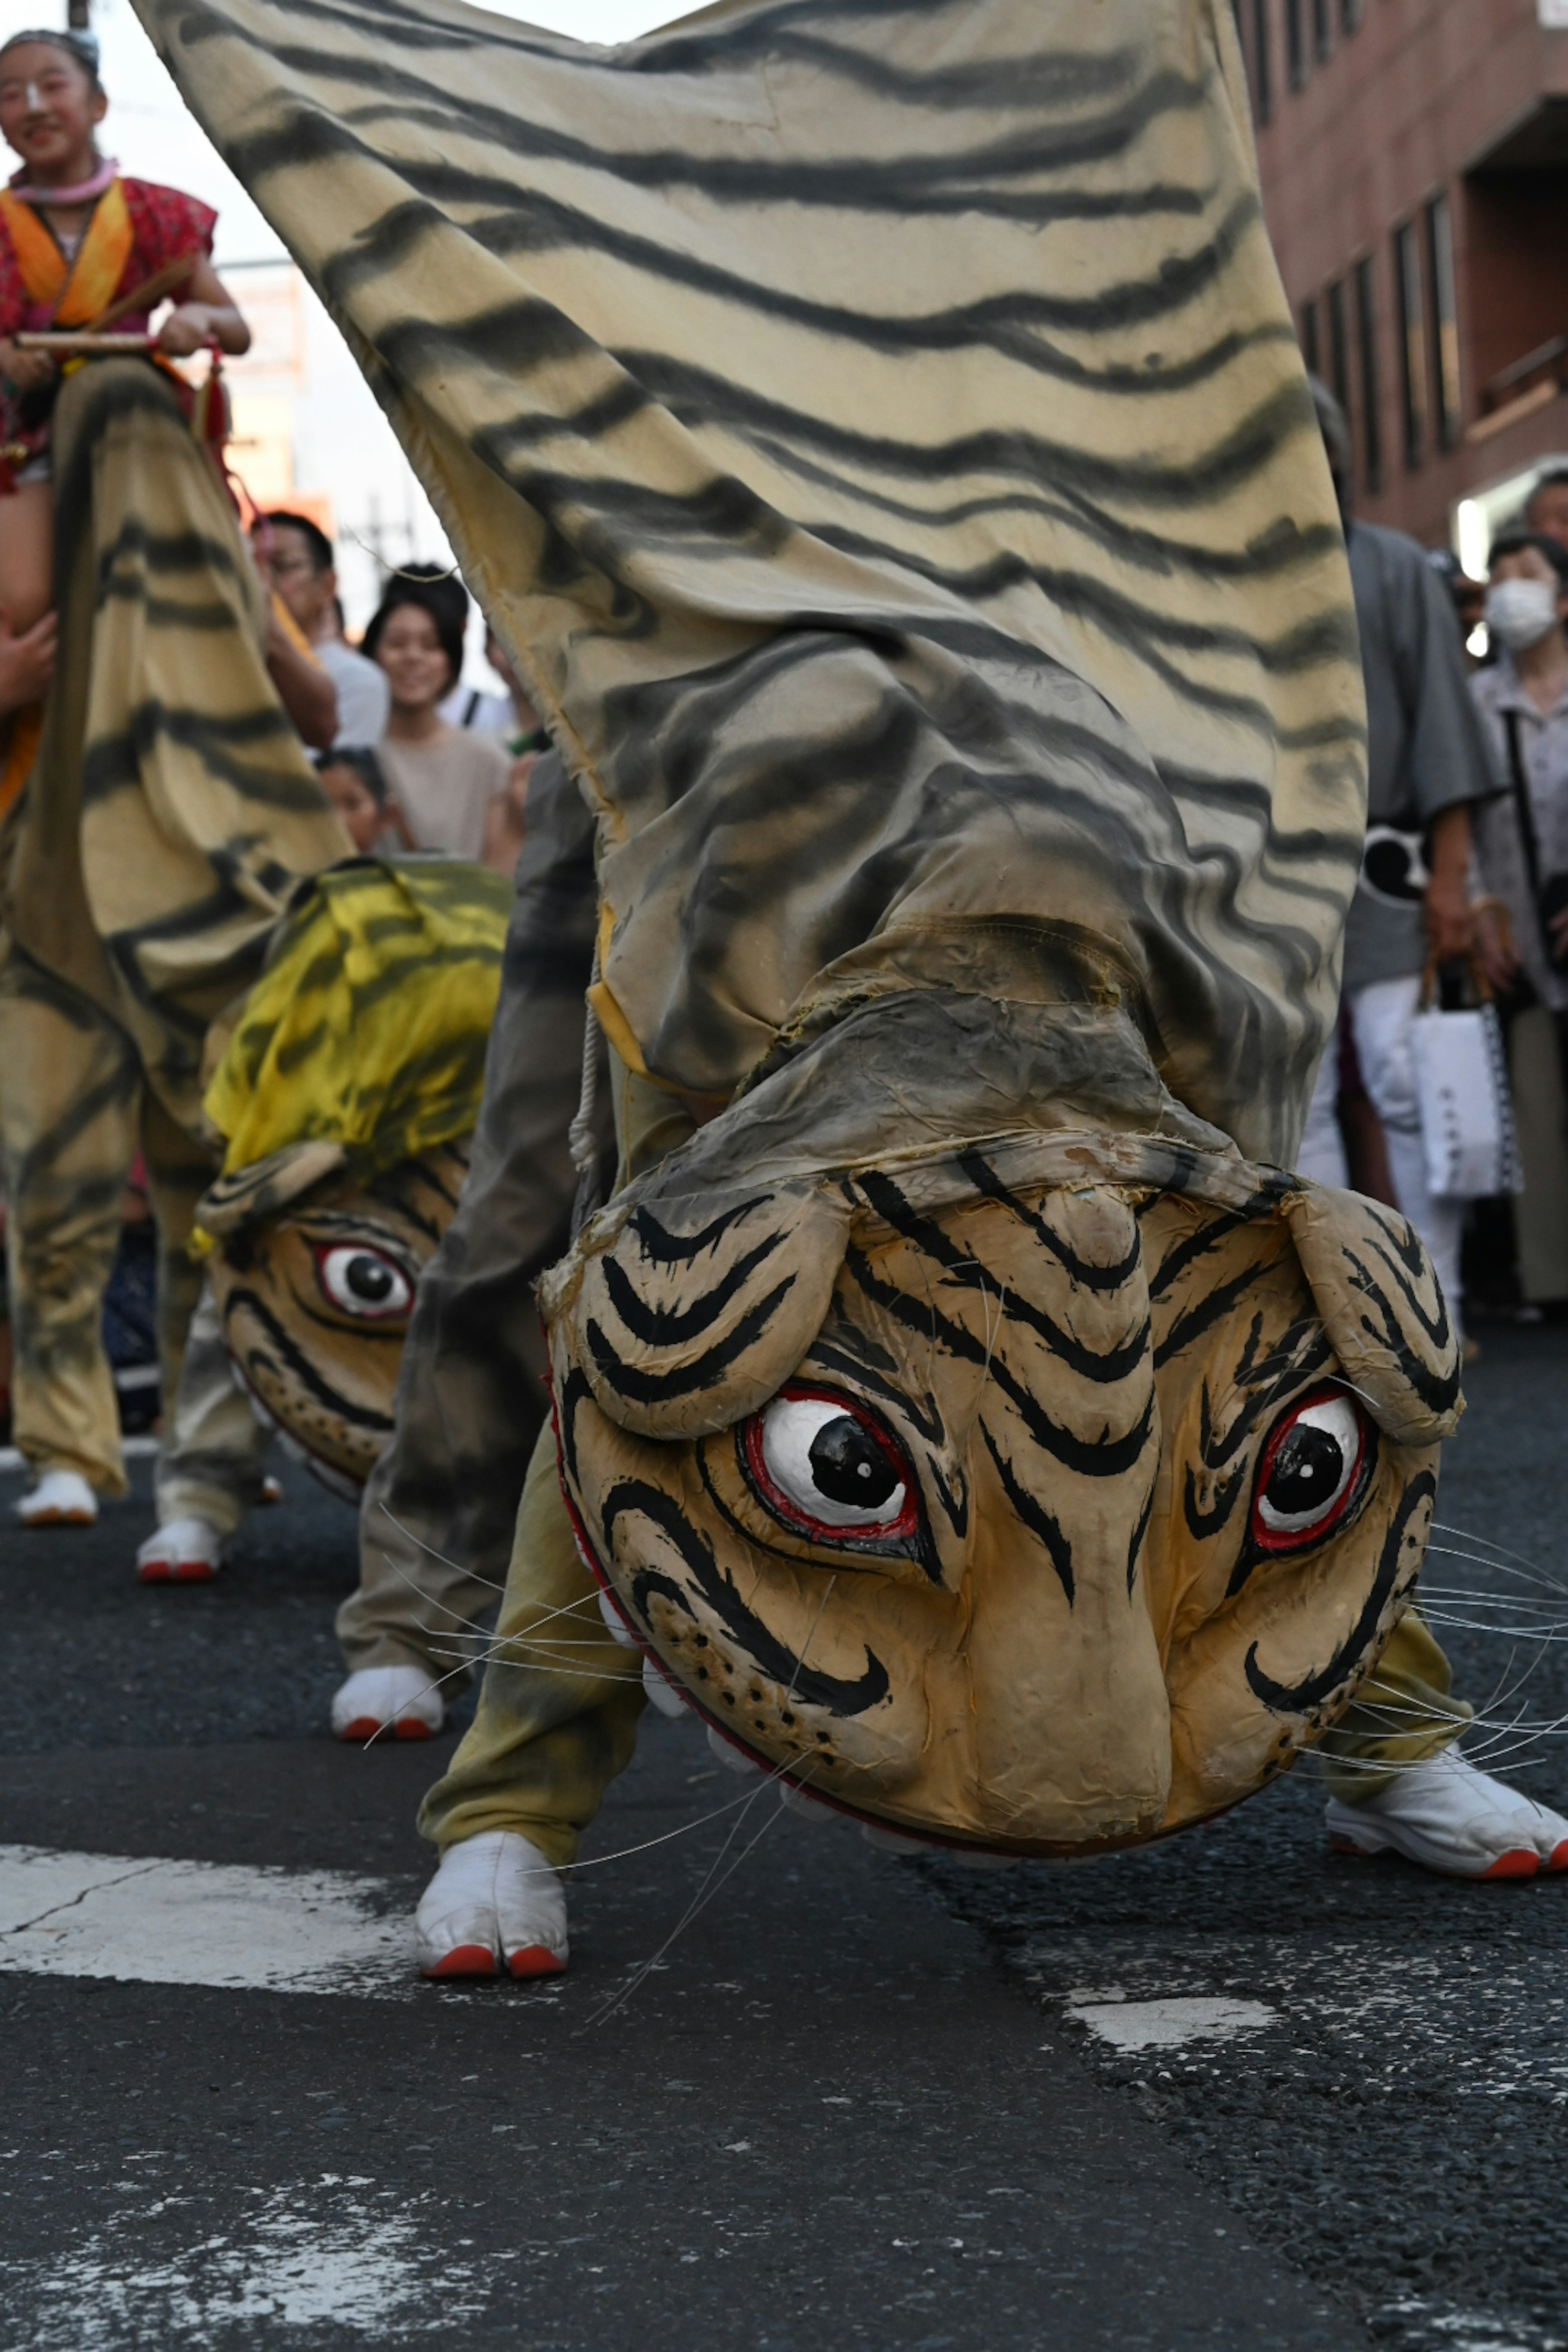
x=407 y=1726
x=156 y=1571
x=364 y=1728
x=534 y=1961
x=468 y=1961
x=1558 y=1858
x=1523 y=1862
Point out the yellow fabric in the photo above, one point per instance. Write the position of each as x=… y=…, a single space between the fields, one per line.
x=92 y=279
x=369 y=1025
x=1404 y=1712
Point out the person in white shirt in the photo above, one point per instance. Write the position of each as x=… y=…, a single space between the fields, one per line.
x=296 y=558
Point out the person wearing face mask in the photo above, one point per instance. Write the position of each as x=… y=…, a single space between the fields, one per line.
x=1522 y=847
x=1428 y=767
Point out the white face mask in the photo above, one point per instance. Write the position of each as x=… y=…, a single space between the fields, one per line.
x=1520 y=613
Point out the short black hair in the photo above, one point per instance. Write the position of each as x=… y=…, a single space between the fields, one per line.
x=362 y=760
x=318 y=544
x=1514 y=542
x=424 y=595
x=443 y=586
x=81 y=46
x=1554 y=479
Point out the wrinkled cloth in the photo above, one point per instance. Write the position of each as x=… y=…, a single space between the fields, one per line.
x=878 y=437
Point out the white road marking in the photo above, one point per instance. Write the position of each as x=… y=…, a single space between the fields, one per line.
x=150 y=1921
x=1167 y=2024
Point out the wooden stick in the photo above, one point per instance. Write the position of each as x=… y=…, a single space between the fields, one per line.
x=77 y=342
x=143 y=296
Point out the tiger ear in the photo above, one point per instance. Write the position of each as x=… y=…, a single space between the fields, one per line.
x=687 y=1313
x=268 y=1185
x=1383 y=1310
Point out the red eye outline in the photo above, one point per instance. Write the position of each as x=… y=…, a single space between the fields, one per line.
x=788 y=1512
x=1277 y=1540
x=363 y=1312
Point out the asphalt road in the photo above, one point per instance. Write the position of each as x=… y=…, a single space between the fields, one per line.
x=1232 y=2093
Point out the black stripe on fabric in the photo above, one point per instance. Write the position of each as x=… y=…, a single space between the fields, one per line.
x=971 y=1273
x=661 y=1247
x=1295 y=1698
x=911 y=183
x=299 y=1364
x=989 y=1185
x=641 y=1386
x=1105 y=1457
x=112 y=762
x=670 y=1327
x=1032 y=1514
x=771 y=1656
x=1198 y=1244
x=1135 y=1541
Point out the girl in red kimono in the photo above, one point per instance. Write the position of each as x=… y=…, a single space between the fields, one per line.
x=75 y=239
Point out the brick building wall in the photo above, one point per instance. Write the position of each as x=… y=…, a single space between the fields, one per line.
x=1414 y=164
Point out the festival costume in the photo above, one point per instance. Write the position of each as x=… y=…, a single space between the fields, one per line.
x=879 y=440
x=160 y=831
x=345 y=1094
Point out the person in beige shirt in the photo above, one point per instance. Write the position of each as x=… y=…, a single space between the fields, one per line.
x=443 y=778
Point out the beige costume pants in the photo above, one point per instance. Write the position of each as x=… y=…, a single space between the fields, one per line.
x=73 y=1114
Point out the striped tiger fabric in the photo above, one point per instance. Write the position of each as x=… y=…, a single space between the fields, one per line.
x=170 y=811
x=877 y=433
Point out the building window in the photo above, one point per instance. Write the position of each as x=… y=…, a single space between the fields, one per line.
x=1412 y=343
x=1444 y=314
x=1370 y=407
x=1310 y=350
x=1323 y=30
x=1295 y=44
x=1262 y=62
x=1338 y=346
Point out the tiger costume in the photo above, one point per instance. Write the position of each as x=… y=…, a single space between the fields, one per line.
x=345 y=1092
x=877 y=433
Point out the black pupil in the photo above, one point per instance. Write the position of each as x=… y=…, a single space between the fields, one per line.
x=1307 y=1471
x=847 y=1465
x=369 y=1280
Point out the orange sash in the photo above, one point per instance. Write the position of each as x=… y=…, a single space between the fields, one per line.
x=80 y=290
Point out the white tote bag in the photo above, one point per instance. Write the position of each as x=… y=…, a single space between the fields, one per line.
x=1466 y=1117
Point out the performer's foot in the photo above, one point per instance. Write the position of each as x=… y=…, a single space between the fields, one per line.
x=495 y=1903
x=401 y=1700
x=62 y=1498
x=1448 y=1816
x=271 y=1489
x=182 y=1551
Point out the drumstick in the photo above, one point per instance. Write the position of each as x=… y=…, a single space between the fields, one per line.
x=143 y=296
x=77 y=342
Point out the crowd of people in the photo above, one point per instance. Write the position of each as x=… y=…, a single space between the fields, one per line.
x=1465 y=874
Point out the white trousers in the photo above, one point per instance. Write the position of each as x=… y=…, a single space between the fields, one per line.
x=1381 y=1016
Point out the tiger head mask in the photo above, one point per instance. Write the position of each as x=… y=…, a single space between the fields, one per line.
x=313 y=1274
x=1041 y=1494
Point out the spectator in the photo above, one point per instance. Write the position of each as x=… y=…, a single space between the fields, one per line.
x=1546 y=509
x=353 y=782
x=444 y=779
x=1427 y=766
x=1521 y=842
x=296 y=558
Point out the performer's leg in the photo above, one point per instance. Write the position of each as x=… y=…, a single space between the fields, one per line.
x=1381 y=1016
x=557 y=1720
x=1399 y=1783
x=212 y=1463
x=440 y=1507
x=1404 y=1713
x=69 y=1107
